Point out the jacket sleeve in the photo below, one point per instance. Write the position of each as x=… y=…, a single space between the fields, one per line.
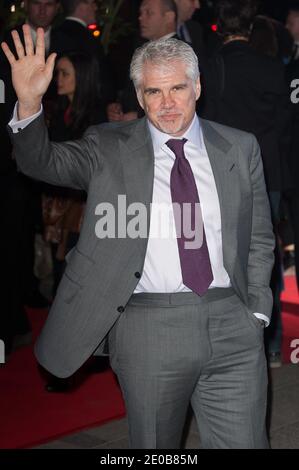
x=261 y=256
x=69 y=164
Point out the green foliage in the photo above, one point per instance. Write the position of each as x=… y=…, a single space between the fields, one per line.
x=112 y=25
x=12 y=19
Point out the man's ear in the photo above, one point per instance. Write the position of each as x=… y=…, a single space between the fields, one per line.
x=140 y=98
x=197 y=89
x=170 y=17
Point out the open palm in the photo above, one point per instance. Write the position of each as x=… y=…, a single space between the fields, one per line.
x=31 y=74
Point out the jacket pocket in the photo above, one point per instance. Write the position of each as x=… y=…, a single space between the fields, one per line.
x=68 y=288
x=78 y=265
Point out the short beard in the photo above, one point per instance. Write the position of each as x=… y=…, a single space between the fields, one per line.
x=168 y=128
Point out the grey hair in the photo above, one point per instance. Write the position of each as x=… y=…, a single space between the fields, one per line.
x=163 y=52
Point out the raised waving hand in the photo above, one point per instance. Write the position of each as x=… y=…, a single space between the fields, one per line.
x=31 y=73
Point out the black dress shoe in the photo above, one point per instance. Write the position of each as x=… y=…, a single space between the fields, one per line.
x=58 y=385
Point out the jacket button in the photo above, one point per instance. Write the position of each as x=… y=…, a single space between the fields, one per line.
x=138 y=275
x=120 y=309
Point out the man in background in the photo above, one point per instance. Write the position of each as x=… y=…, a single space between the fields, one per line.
x=189 y=30
x=157 y=20
x=248 y=90
x=73 y=35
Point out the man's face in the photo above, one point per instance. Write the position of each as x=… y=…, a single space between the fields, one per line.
x=87 y=9
x=292 y=24
x=186 y=8
x=168 y=97
x=41 y=13
x=151 y=19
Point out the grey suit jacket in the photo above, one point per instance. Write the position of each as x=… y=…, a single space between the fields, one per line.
x=101 y=274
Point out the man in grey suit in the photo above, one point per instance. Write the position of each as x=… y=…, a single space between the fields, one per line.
x=184 y=314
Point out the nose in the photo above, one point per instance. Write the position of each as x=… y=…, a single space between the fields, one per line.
x=167 y=101
x=141 y=16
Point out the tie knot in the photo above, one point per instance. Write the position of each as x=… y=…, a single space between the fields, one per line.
x=177 y=146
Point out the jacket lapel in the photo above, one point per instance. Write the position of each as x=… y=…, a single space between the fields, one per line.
x=224 y=163
x=137 y=157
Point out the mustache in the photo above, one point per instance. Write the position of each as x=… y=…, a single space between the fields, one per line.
x=167 y=112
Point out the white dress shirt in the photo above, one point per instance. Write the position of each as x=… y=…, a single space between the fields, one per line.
x=162 y=270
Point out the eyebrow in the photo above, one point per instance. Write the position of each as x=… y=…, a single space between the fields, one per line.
x=178 y=85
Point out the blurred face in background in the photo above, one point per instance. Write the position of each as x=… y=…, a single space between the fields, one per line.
x=86 y=10
x=292 y=24
x=41 y=13
x=186 y=8
x=154 y=21
x=65 y=78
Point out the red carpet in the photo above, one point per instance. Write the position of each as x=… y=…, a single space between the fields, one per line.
x=30 y=415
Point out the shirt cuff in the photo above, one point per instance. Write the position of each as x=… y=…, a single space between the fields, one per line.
x=260 y=316
x=17 y=125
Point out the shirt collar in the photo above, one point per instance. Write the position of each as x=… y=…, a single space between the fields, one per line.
x=192 y=134
x=74 y=18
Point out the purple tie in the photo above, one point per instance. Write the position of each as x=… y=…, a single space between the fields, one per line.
x=195 y=262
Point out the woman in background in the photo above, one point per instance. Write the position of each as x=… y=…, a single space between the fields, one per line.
x=78 y=106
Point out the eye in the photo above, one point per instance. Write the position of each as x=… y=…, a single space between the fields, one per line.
x=152 y=92
x=178 y=88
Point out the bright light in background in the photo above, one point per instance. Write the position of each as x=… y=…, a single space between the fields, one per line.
x=214 y=27
x=95 y=30
x=12 y=8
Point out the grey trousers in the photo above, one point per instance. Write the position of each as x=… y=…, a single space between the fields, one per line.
x=169 y=350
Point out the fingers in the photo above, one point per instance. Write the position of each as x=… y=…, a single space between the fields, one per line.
x=28 y=40
x=50 y=64
x=18 y=45
x=40 y=42
x=9 y=55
